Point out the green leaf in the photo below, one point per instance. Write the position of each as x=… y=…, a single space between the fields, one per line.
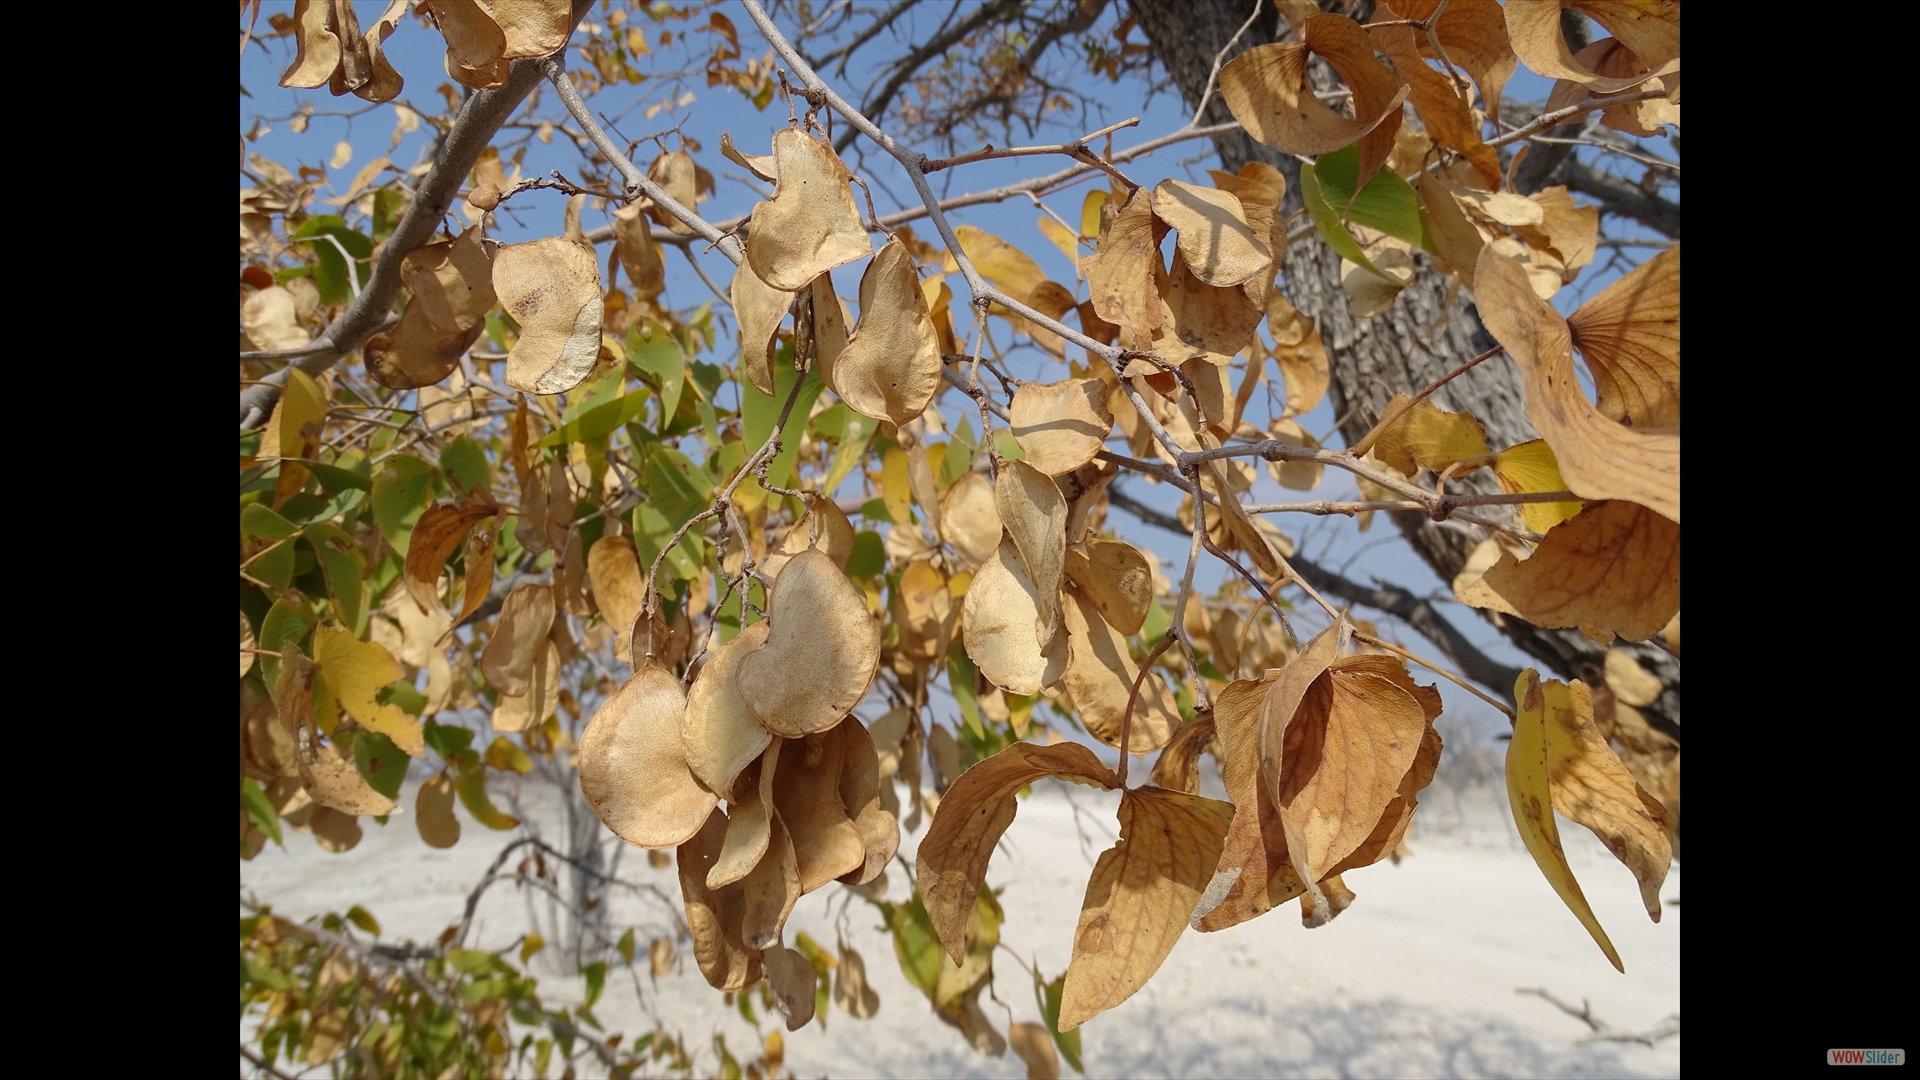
x=1157 y=621
x=345 y=566
x=600 y=420
x=260 y=527
x=334 y=479
x=448 y=741
x=506 y=757
x=533 y=944
x=363 y=919
x=658 y=358
x=852 y=432
x=876 y=510
x=259 y=810
x=759 y=411
x=401 y=692
x=914 y=943
x=400 y=487
x=1008 y=446
x=1387 y=203
x=869 y=556
x=330 y=268
x=677 y=489
x=284 y=622
x=743 y=1001
x=255 y=972
x=596 y=973
x=476 y=962
x=471 y=786
x=823 y=973
x=382 y=763
x=1048 y=995
x=625 y=947
x=960 y=456
x=1327 y=220
x=388 y=205
x=466 y=465
x=960 y=678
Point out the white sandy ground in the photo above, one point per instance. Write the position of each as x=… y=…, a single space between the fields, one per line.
x=1416 y=979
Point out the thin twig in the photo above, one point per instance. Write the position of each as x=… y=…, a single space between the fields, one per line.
x=1220 y=58
x=1126 y=718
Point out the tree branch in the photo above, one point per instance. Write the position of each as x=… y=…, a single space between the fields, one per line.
x=1417 y=612
x=904 y=68
x=481 y=114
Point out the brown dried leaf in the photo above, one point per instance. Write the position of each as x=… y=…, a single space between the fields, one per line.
x=1336 y=760
x=891 y=367
x=829 y=325
x=835 y=536
x=1474 y=33
x=551 y=287
x=449 y=289
x=1035 y=517
x=1139 y=897
x=1449 y=121
x=714 y=915
x=532 y=28
x=1298 y=475
x=850 y=989
x=1629 y=336
x=749 y=821
x=969 y=520
x=759 y=307
x=821 y=652
x=513 y=714
x=1178 y=766
x=718 y=730
x=1001 y=610
x=1114 y=577
x=860 y=790
x=1267 y=91
x=811 y=225
x=976 y=809
x=793 y=982
x=1614 y=566
x=1122 y=270
x=1214 y=321
x=633 y=769
x=675 y=174
x=760 y=165
x=1060 y=426
x=1650 y=29
x=639 y=256
x=770 y=889
x=1600 y=458
x=1630 y=682
x=526 y=618
x=334 y=830
x=433 y=813
x=806 y=795
x=619 y=587
x=1300 y=353
x=1211 y=228
x=1100 y=675
x=1608 y=58
x=436 y=536
x=317 y=47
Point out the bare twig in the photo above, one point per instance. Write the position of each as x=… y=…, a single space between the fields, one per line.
x=1667 y=1028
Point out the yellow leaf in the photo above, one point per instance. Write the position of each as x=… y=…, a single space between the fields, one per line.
x=356 y=671
x=1421 y=433
x=1530 y=466
x=1629 y=336
x=894 y=489
x=1062 y=237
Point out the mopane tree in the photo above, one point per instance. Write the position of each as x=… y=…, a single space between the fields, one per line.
x=763 y=574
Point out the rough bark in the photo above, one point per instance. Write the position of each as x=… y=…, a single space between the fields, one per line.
x=1430 y=330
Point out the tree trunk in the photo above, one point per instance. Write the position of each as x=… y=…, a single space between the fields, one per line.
x=1430 y=330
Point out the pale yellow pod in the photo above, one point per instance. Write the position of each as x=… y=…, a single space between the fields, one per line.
x=822 y=650
x=633 y=769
